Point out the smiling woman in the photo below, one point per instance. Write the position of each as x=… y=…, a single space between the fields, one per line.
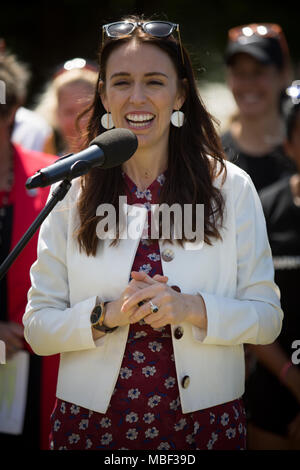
x=151 y=331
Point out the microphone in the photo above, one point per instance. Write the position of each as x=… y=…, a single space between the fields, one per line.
x=107 y=150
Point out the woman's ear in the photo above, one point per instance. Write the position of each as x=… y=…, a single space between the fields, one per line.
x=102 y=93
x=182 y=93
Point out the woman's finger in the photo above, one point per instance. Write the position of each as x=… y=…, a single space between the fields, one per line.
x=140 y=296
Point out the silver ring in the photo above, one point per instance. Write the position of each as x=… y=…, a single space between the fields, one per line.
x=154 y=308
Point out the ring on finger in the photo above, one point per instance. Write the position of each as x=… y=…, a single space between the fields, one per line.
x=153 y=307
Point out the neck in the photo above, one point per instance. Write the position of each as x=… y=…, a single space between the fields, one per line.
x=259 y=134
x=145 y=166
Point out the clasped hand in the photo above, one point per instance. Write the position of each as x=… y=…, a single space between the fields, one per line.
x=173 y=307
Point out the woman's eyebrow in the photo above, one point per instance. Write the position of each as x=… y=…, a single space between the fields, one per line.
x=126 y=74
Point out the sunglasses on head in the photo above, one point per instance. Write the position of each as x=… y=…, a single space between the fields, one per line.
x=158 y=29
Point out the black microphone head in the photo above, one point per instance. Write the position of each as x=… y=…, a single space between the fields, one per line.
x=118 y=145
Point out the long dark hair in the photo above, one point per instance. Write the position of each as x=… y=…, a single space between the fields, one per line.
x=195 y=155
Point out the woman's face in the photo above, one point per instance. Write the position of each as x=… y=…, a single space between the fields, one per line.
x=141 y=91
x=255 y=86
x=73 y=98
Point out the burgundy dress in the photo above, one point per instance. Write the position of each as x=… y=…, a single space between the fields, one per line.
x=145 y=411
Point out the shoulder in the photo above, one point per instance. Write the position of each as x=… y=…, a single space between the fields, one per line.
x=233 y=177
x=275 y=192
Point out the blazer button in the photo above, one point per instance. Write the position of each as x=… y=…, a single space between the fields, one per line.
x=167 y=255
x=185 y=381
x=178 y=332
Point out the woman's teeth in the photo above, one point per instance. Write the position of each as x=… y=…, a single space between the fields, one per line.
x=139 y=120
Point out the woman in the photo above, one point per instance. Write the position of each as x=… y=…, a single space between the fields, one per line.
x=18 y=209
x=67 y=95
x=257 y=60
x=273 y=391
x=159 y=363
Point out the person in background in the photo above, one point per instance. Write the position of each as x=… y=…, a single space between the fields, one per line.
x=30 y=130
x=150 y=328
x=68 y=94
x=258 y=70
x=273 y=389
x=18 y=209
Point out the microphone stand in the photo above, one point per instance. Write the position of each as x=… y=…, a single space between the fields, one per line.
x=58 y=195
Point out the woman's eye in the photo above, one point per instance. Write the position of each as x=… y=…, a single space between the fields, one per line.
x=121 y=83
x=155 y=82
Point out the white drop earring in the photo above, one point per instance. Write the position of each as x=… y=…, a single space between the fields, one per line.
x=107 y=121
x=177 y=118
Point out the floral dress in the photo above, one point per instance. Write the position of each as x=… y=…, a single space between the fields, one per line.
x=145 y=410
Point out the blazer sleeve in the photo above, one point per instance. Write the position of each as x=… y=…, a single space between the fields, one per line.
x=254 y=315
x=51 y=325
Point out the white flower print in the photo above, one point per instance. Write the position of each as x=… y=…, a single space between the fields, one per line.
x=139 y=334
x=180 y=425
x=147 y=205
x=56 y=425
x=164 y=446
x=74 y=438
x=146 y=268
x=106 y=439
x=190 y=439
x=125 y=373
x=236 y=413
x=154 y=346
x=196 y=427
x=225 y=419
x=63 y=407
x=83 y=424
x=132 y=434
x=154 y=257
x=75 y=409
x=90 y=413
x=241 y=428
x=161 y=179
x=88 y=444
x=132 y=417
x=170 y=382
x=134 y=393
x=62 y=448
x=212 y=418
x=138 y=356
x=149 y=371
x=151 y=432
x=139 y=194
x=230 y=433
x=105 y=422
x=214 y=438
x=174 y=404
x=143 y=194
x=154 y=401
x=148 y=418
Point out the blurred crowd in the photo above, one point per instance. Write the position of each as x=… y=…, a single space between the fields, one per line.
x=259 y=126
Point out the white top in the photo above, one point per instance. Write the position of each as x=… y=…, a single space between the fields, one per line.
x=234 y=276
x=30 y=130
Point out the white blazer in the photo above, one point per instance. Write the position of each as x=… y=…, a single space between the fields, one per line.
x=235 y=277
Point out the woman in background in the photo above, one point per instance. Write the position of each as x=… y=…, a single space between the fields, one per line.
x=68 y=94
x=258 y=70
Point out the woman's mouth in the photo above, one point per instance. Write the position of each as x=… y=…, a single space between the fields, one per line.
x=139 y=120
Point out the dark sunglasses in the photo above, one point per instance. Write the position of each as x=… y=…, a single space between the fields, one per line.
x=158 y=29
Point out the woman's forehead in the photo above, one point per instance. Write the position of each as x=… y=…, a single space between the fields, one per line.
x=142 y=57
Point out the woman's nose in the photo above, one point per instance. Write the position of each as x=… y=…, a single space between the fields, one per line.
x=137 y=94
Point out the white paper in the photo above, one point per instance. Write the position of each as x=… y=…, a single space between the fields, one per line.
x=13 y=393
